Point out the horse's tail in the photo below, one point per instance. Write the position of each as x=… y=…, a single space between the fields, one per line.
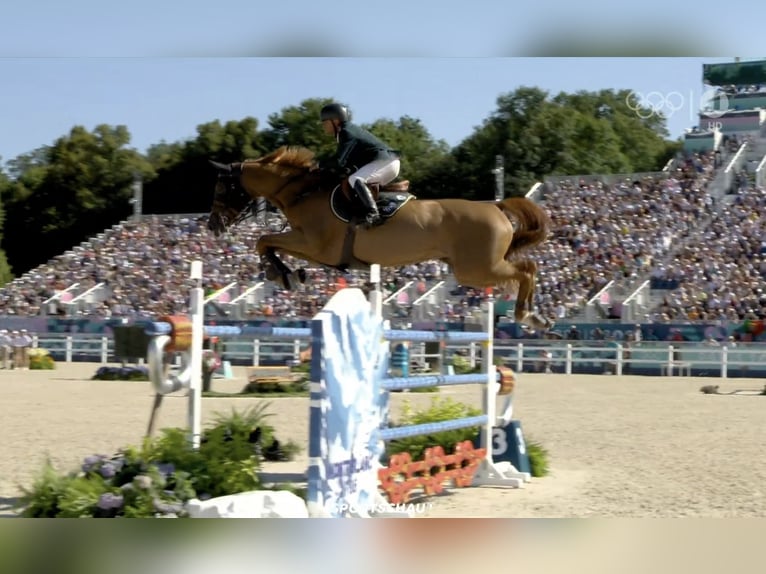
x=532 y=222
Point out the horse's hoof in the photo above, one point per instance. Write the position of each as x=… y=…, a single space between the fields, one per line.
x=543 y=323
x=535 y=322
x=271 y=273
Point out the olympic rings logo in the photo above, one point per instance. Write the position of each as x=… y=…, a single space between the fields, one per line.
x=645 y=106
x=655 y=103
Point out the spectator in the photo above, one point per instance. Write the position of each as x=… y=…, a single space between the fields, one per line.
x=5 y=349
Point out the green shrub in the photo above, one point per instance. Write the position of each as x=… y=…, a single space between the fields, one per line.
x=157 y=478
x=538 y=459
x=40 y=359
x=434 y=389
x=462 y=365
x=301 y=368
x=441 y=409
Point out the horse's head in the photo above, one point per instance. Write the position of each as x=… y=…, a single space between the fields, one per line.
x=281 y=178
x=231 y=201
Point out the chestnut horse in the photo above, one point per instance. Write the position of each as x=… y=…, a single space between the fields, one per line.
x=479 y=240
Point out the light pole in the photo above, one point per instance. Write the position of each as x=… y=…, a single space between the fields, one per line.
x=137 y=199
x=499 y=172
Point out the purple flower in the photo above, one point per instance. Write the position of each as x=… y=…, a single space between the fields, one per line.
x=107 y=470
x=91 y=461
x=108 y=501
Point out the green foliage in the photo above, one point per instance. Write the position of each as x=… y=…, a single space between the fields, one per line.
x=462 y=365
x=538 y=459
x=40 y=359
x=419 y=151
x=441 y=409
x=157 y=478
x=300 y=126
x=68 y=191
x=541 y=135
x=301 y=368
x=240 y=423
x=6 y=274
x=184 y=179
x=43 y=497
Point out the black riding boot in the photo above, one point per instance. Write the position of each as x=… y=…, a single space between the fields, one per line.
x=372 y=216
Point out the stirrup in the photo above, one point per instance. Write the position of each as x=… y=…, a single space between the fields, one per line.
x=372 y=219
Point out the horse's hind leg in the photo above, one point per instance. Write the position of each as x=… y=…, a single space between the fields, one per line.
x=502 y=275
x=525 y=300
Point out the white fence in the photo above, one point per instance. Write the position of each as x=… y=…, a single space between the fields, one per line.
x=658 y=358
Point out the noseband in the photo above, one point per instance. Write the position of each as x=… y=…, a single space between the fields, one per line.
x=235 y=191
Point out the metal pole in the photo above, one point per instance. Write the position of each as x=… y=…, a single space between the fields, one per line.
x=499 y=172
x=490 y=390
x=376 y=295
x=198 y=326
x=137 y=200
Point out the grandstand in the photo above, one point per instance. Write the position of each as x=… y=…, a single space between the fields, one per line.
x=681 y=244
x=139 y=269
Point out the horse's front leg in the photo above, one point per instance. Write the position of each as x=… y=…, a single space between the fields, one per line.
x=292 y=242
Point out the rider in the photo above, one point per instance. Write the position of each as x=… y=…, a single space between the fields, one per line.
x=364 y=156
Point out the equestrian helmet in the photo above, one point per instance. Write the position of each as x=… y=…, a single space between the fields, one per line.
x=335 y=112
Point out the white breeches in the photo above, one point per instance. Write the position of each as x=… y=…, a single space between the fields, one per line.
x=382 y=171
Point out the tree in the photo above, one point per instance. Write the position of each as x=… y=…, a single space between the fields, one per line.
x=69 y=191
x=5 y=269
x=300 y=126
x=539 y=135
x=419 y=151
x=185 y=180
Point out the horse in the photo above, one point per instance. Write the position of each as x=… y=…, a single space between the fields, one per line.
x=480 y=241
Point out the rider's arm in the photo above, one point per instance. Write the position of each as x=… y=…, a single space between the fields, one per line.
x=346 y=144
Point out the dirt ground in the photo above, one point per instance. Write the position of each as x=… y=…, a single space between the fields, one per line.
x=619 y=447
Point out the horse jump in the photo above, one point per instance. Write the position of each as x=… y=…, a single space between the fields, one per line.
x=181 y=334
x=335 y=500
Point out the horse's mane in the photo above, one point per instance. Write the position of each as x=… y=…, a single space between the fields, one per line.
x=288 y=158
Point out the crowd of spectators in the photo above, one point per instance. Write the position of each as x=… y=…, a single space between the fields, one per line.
x=623 y=230
x=721 y=276
x=604 y=232
x=143 y=269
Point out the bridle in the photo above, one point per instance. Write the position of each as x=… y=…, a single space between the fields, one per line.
x=236 y=191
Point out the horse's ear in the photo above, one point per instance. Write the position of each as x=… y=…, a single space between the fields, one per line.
x=220 y=166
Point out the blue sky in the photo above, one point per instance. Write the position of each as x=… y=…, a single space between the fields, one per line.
x=353 y=28
x=41 y=99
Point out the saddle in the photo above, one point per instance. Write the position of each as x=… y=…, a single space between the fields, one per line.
x=376 y=189
x=389 y=198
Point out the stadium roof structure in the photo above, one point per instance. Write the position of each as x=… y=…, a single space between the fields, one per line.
x=737 y=73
